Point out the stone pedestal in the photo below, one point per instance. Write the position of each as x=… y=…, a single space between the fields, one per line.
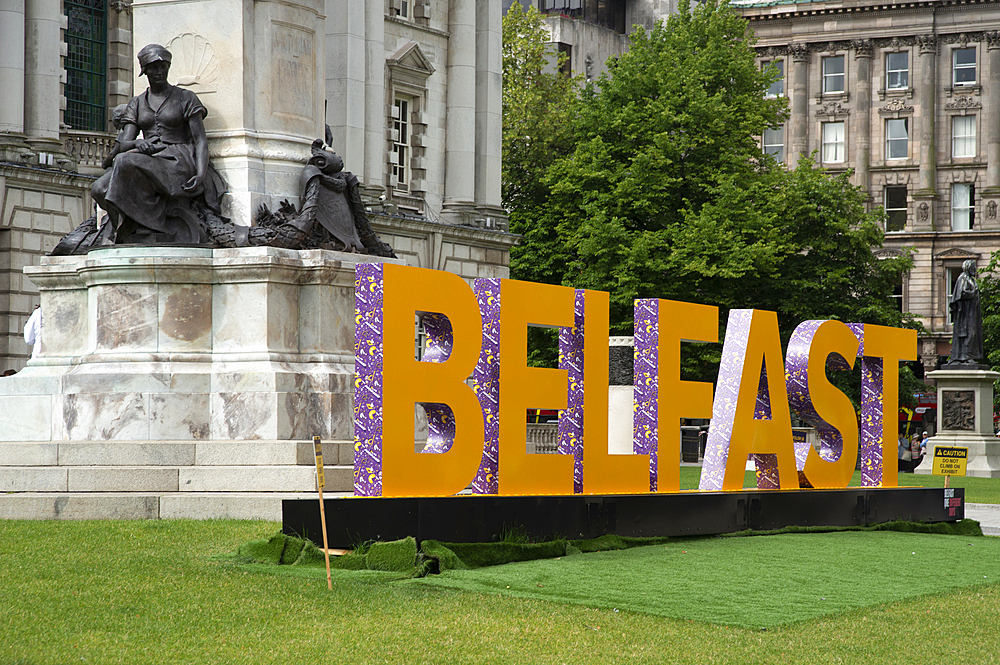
x=258 y=68
x=181 y=382
x=965 y=418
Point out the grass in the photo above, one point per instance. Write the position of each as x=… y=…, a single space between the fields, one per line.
x=159 y=592
x=977 y=490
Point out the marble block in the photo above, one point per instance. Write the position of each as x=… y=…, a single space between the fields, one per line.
x=189 y=344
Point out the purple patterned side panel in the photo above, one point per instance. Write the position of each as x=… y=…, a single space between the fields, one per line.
x=727 y=392
x=440 y=418
x=486 y=383
x=871 y=412
x=645 y=401
x=368 y=379
x=571 y=419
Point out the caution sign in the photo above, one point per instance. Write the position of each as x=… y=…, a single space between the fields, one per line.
x=950 y=461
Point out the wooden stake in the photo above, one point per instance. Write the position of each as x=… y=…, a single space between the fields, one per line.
x=320 y=482
x=946 y=479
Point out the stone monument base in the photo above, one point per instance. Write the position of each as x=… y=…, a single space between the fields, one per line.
x=965 y=419
x=167 y=371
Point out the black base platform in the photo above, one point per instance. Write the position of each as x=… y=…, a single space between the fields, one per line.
x=353 y=520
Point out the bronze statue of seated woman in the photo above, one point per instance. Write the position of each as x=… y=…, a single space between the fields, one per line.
x=149 y=189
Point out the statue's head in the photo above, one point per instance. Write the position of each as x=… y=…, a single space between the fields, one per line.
x=327 y=161
x=969 y=267
x=151 y=53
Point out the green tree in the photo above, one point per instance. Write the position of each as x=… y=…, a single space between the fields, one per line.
x=667 y=193
x=538 y=105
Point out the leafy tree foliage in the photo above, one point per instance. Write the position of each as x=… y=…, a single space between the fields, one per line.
x=666 y=193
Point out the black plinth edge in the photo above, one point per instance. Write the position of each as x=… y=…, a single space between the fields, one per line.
x=353 y=520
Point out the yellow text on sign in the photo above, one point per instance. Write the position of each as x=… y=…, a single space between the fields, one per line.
x=950 y=461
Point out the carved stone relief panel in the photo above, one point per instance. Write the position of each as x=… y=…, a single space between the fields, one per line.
x=958 y=409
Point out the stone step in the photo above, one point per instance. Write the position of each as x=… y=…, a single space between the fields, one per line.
x=173 y=453
x=274 y=478
x=148 y=505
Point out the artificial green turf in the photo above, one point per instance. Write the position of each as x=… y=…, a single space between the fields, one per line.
x=749 y=582
x=977 y=490
x=156 y=592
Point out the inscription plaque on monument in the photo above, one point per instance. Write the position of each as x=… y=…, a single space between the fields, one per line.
x=959 y=409
x=292 y=88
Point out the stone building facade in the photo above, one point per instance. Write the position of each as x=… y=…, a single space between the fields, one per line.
x=908 y=97
x=409 y=88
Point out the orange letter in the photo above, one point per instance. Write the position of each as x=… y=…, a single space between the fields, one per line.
x=522 y=387
x=439 y=383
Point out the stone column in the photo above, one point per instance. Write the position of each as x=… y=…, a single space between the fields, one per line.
x=862 y=121
x=460 y=150
x=991 y=130
x=42 y=71
x=489 y=109
x=376 y=103
x=926 y=194
x=12 y=145
x=120 y=55
x=345 y=82
x=800 y=102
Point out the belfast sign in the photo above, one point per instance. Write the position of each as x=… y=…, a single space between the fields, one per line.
x=474 y=385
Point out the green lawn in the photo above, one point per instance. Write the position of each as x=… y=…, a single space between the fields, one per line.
x=161 y=592
x=977 y=490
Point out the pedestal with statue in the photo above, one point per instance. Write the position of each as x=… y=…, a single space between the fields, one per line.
x=965 y=387
x=185 y=359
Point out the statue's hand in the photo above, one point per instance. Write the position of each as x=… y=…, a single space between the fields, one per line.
x=194 y=182
x=145 y=146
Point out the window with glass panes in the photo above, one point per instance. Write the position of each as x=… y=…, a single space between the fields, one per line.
x=774 y=142
x=833 y=74
x=400 y=8
x=897 y=138
x=833 y=142
x=895 y=207
x=897 y=70
x=777 y=88
x=86 y=64
x=963 y=136
x=963 y=66
x=962 y=203
x=401 y=143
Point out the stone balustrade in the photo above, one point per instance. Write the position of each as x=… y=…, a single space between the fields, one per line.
x=87 y=149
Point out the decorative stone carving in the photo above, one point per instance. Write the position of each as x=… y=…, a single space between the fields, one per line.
x=992 y=40
x=194 y=62
x=862 y=48
x=959 y=409
x=991 y=210
x=923 y=210
x=927 y=43
x=895 y=106
x=963 y=103
x=121 y=6
x=833 y=109
x=772 y=51
x=799 y=52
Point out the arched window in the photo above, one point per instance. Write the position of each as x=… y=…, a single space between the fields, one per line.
x=86 y=64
